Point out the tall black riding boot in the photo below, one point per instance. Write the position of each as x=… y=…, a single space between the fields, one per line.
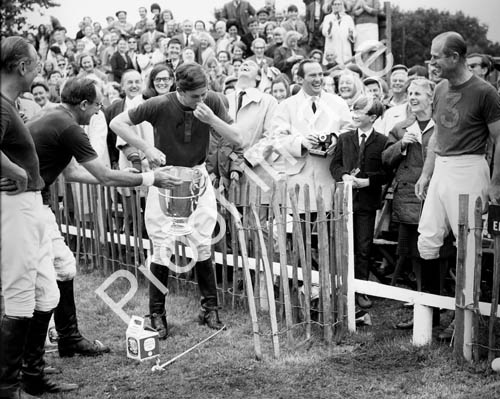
x=13 y=333
x=157 y=312
x=71 y=340
x=209 y=314
x=34 y=381
x=431 y=276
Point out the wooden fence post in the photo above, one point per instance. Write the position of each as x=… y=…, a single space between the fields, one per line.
x=478 y=256
x=339 y=263
x=285 y=286
x=324 y=268
x=306 y=268
x=269 y=284
x=460 y=294
x=494 y=299
x=348 y=240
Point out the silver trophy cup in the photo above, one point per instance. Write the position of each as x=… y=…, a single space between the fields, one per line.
x=179 y=202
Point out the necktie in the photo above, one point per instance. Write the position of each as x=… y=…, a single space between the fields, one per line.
x=240 y=100
x=361 y=156
x=187 y=41
x=313 y=106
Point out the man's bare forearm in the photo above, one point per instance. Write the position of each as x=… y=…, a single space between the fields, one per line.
x=231 y=133
x=428 y=167
x=10 y=169
x=122 y=126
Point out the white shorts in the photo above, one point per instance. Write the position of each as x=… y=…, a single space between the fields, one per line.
x=202 y=221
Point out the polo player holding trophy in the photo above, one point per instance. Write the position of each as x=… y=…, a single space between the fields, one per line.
x=181 y=122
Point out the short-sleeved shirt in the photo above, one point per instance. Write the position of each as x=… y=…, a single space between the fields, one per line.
x=17 y=144
x=462 y=114
x=183 y=138
x=58 y=138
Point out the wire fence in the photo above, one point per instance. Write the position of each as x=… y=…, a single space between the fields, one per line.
x=290 y=267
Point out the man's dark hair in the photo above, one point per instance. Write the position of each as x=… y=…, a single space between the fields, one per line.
x=190 y=76
x=150 y=90
x=92 y=57
x=155 y=6
x=231 y=23
x=485 y=60
x=292 y=8
x=174 y=41
x=300 y=69
x=369 y=105
x=39 y=83
x=14 y=49
x=53 y=73
x=55 y=49
x=77 y=90
x=418 y=70
x=251 y=20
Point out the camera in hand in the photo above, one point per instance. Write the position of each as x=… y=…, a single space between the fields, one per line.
x=324 y=141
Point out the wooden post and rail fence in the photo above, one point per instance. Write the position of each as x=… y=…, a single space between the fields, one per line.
x=291 y=286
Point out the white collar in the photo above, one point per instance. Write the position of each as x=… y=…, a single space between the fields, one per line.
x=367 y=133
x=310 y=98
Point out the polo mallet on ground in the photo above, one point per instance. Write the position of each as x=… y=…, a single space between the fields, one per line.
x=160 y=367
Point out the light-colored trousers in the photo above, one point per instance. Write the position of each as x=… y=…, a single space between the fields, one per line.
x=28 y=275
x=202 y=221
x=464 y=174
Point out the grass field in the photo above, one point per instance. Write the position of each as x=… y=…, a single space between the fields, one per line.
x=377 y=362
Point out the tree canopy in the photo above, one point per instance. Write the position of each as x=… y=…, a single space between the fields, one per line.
x=13 y=12
x=413 y=31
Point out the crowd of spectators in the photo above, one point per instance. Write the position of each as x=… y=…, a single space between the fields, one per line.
x=275 y=41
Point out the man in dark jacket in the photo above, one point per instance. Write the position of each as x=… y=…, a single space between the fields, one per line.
x=240 y=11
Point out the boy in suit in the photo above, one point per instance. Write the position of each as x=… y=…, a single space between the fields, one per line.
x=358 y=158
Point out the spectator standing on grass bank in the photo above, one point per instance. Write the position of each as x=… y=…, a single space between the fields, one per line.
x=466 y=110
x=358 y=159
x=397 y=80
x=479 y=65
x=131 y=86
x=120 y=60
x=289 y=54
x=28 y=278
x=123 y=27
x=293 y=22
x=239 y=11
x=181 y=122
x=339 y=32
x=405 y=153
x=366 y=18
x=315 y=13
